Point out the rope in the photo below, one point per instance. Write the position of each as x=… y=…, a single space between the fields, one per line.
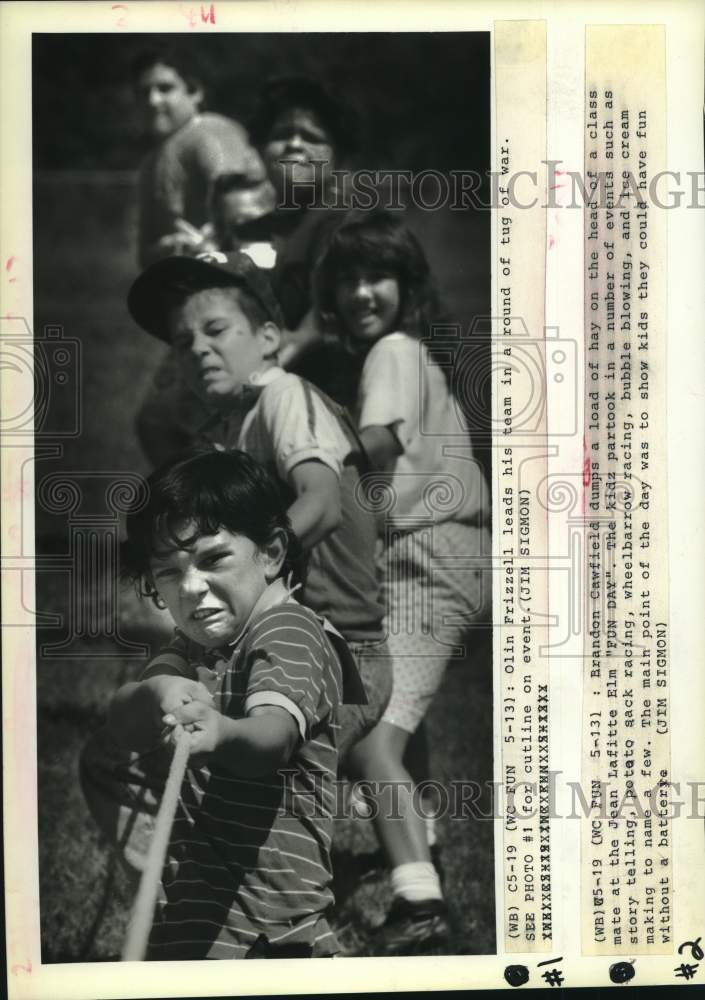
x=135 y=946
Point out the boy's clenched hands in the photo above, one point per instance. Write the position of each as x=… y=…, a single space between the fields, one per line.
x=135 y=717
x=173 y=692
x=258 y=743
x=199 y=719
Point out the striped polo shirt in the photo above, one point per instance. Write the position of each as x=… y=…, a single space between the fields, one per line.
x=249 y=859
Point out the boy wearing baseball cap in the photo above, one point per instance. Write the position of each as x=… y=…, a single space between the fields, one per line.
x=220 y=315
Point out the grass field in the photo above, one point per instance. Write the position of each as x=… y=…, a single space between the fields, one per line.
x=84 y=236
x=85 y=897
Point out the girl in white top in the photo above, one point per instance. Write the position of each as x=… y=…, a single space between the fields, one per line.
x=375 y=292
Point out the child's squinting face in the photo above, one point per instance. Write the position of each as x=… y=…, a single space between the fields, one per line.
x=367 y=302
x=211 y=588
x=165 y=100
x=216 y=345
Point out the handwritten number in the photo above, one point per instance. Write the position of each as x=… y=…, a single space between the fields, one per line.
x=122 y=19
x=696 y=951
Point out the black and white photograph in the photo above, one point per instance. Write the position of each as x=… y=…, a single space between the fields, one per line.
x=262 y=416
x=350 y=407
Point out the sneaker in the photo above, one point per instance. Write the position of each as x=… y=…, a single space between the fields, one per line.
x=412 y=928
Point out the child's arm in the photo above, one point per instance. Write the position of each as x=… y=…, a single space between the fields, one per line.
x=292 y=686
x=135 y=713
x=185 y=240
x=381 y=445
x=388 y=398
x=317 y=509
x=308 y=448
x=255 y=745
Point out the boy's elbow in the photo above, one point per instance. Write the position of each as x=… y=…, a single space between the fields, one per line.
x=288 y=746
x=325 y=518
x=280 y=736
x=333 y=515
x=273 y=757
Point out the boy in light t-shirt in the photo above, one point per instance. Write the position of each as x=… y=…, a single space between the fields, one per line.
x=221 y=316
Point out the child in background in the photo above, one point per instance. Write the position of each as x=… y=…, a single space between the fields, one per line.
x=190 y=149
x=220 y=314
x=306 y=135
x=375 y=293
x=256 y=679
x=244 y=219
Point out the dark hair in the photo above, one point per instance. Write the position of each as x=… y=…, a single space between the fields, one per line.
x=214 y=490
x=179 y=54
x=378 y=240
x=174 y=296
x=283 y=93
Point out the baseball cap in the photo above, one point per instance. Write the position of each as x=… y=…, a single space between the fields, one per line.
x=152 y=293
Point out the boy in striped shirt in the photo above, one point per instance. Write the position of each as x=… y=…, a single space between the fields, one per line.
x=256 y=679
x=219 y=313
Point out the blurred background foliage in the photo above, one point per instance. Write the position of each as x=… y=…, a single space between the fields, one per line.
x=424 y=98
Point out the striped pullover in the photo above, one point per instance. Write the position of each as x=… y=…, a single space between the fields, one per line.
x=249 y=859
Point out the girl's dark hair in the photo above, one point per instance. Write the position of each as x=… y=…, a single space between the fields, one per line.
x=281 y=94
x=379 y=241
x=213 y=490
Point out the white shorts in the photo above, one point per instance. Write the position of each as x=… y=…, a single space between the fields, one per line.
x=437 y=586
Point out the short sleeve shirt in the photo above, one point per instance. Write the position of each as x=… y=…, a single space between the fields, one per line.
x=436 y=476
x=251 y=856
x=289 y=424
